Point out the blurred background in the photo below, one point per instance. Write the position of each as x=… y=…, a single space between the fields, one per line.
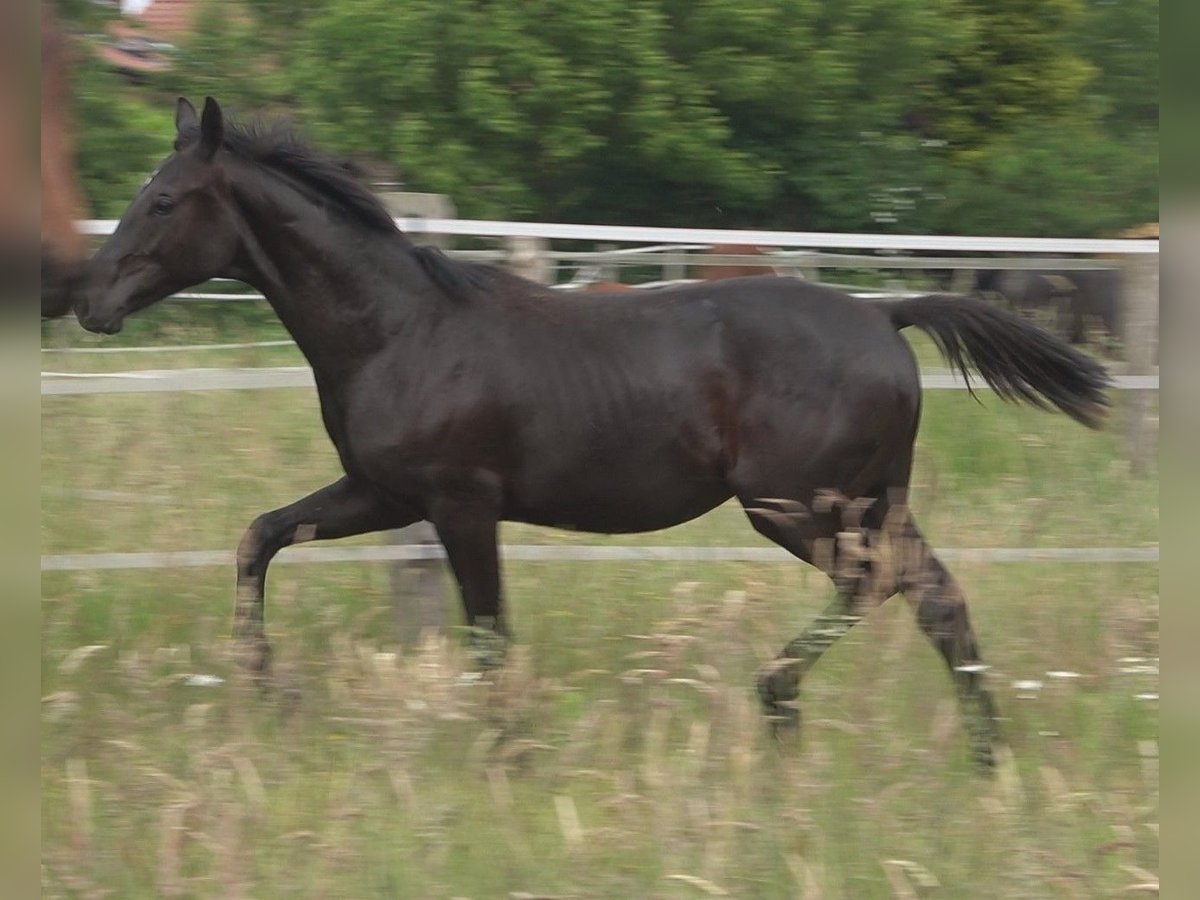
x=952 y=117
x=619 y=753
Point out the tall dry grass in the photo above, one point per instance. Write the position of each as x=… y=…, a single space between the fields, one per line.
x=620 y=751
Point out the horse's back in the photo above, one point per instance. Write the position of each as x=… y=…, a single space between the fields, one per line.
x=827 y=392
x=772 y=335
x=787 y=327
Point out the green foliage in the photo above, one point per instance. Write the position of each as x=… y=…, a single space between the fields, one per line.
x=82 y=14
x=1054 y=178
x=545 y=107
x=909 y=115
x=1016 y=61
x=1120 y=39
x=121 y=137
x=224 y=57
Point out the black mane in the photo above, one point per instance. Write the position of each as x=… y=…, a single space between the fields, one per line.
x=332 y=179
x=337 y=181
x=460 y=280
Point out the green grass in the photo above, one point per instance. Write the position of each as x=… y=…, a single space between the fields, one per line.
x=620 y=753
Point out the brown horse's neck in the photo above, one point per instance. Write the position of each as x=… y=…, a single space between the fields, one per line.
x=343 y=290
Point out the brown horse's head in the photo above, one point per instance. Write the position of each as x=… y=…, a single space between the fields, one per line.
x=181 y=229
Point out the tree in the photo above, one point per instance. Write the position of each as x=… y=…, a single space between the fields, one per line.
x=121 y=137
x=911 y=115
x=1119 y=38
x=829 y=98
x=1052 y=179
x=546 y=106
x=1078 y=162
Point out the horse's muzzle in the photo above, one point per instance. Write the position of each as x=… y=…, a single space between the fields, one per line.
x=101 y=326
x=98 y=322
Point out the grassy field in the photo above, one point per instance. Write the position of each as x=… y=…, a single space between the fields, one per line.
x=620 y=752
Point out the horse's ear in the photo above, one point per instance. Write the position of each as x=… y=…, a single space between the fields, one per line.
x=185 y=116
x=212 y=129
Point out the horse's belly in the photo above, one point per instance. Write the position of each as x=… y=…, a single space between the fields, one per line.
x=607 y=518
x=595 y=503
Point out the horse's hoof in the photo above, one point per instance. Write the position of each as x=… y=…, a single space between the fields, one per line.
x=290 y=697
x=777 y=682
x=486 y=648
x=253 y=656
x=985 y=760
x=784 y=722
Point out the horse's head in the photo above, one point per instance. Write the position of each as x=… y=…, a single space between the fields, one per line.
x=181 y=229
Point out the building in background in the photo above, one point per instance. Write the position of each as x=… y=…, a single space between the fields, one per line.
x=143 y=40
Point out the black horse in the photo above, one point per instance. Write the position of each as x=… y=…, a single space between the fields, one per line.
x=1074 y=296
x=465 y=395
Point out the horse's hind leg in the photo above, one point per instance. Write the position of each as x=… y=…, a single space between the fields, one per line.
x=871 y=550
x=941 y=611
x=779 y=680
x=829 y=534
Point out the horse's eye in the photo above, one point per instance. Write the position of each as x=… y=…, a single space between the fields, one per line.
x=163 y=205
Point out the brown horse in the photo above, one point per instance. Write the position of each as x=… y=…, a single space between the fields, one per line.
x=607 y=287
x=18 y=194
x=718 y=271
x=465 y=395
x=63 y=248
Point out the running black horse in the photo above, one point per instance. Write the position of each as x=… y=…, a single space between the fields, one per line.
x=465 y=395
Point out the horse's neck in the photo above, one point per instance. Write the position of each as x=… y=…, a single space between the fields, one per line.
x=342 y=294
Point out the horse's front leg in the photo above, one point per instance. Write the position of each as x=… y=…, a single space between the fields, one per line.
x=344 y=508
x=466 y=523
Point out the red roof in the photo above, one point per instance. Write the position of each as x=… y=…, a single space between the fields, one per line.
x=168 y=18
x=135 y=34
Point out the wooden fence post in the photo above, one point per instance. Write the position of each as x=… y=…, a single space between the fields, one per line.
x=527 y=258
x=420 y=599
x=420 y=596
x=1140 y=335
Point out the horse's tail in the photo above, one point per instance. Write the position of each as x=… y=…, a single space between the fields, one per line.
x=1018 y=360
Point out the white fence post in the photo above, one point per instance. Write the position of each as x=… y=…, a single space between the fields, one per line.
x=1140 y=333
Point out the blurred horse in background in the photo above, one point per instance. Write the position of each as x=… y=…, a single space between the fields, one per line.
x=64 y=249
x=720 y=271
x=18 y=194
x=1074 y=298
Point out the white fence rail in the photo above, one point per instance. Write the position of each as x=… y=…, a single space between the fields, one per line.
x=791 y=252
x=180 y=380
x=80 y=562
x=806 y=239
